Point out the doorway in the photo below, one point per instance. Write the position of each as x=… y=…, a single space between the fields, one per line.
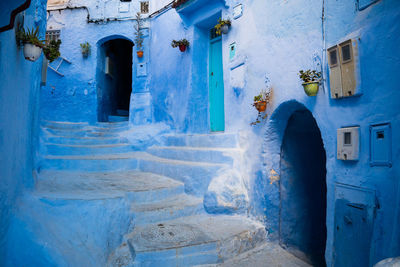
x=216 y=83
x=114 y=79
x=302 y=223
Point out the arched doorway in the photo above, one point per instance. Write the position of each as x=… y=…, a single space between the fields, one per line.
x=302 y=223
x=114 y=79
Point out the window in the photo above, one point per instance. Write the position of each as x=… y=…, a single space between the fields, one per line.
x=346 y=52
x=52 y=35
x=347 y=138
x=144 y=7
x=333 y=57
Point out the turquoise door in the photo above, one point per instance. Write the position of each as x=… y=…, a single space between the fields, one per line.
x=216 y=86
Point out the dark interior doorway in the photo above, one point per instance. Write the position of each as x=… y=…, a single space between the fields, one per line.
x=303 y=189
x=115 y=81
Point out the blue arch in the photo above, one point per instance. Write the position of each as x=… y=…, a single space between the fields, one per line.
x=113 y=37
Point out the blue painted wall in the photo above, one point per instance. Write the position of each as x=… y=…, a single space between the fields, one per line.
x=19 y=91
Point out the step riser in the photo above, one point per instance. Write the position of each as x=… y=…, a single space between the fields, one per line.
x=89 y=165
x=82 y=141
x=166 y=214
x=84 y=133
x=64 y=126
x=57 y=150
x=222 y=141
x=192 y=155
x=195 y=178
x=185 y=256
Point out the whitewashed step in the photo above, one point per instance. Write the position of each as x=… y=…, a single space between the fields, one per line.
x=189 y=241
x=196 y=154
x=140 y=187
x=84 y=140
x=65 y=149
x=167 y=209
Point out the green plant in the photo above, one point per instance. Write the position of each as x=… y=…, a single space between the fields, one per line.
x=138 y=32
x=310 y=76
x=176 y=43
x=30 y=36
x=221 y=22
x=52 y=50
x=85 y=48
x=263 y=96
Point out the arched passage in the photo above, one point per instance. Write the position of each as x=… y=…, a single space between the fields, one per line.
x=302 y=220
x=114 y=78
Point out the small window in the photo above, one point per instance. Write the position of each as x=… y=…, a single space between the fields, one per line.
x=144 y=7
x=52 y=35
x=346 y=52
x=347 y=138
x=333 y=57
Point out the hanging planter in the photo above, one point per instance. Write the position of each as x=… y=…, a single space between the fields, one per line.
x=139 y=54
x=32 y=52
x=139 y=35
x=222 y=26
x=183 y=44
x=85 y=49
x=311 y=79
x=260 y=103
x=31 y=42
x=52 y=50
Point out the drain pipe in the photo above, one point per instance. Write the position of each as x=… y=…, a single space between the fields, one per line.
x=14 y=13
x=323 y=28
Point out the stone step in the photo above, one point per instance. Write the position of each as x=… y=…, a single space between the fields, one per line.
x=189 y=241
x=63 y=125
x=105 y=162
x=113 y=118
x=48 y=132
x=167 y=209
x=140 y=187
x=62 y=149
x=196 y=154
x=84 y=140
x=221 y=140
x=195 y=175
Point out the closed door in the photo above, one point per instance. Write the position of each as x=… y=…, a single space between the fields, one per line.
x=216 y=86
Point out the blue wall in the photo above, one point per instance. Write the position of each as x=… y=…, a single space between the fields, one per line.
x=19 y=91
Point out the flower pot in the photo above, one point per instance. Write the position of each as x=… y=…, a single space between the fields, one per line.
x=225 y=29
x=311 y=88
x=139 y=54
x=261 y=106
x=182 y=48
x=32 y=52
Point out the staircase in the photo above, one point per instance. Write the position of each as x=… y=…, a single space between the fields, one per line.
x=163 y=186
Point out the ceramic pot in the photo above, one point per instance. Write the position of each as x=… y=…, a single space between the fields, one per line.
x=182 y=48
x=32 y=52
x=225 y=29
x=261 y=106
x=139 y=54
x=311 y=88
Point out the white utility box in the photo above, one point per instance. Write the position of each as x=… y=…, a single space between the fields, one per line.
x=348 y=143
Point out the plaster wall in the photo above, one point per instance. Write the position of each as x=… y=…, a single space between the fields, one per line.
x=19 y=91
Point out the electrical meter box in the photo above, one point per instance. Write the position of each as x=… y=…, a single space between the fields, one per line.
x=381 y=145
x=348 y=143
x=344 y=70
x=141 y=70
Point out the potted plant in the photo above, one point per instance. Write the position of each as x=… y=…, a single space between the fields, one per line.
x=52 y=50
x=182 y=44
x=260 y=103
x=222 y=26
x=139 y=35
x=311 y=79
x=31 y=42
x=85 y=49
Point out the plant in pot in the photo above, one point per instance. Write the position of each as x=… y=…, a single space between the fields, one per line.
x=139 y=35
x=311 y=79
x=222 y=26
x=260 y=103
x=85 y=49
x=31 y=42
x=178 y=3
x=52 y=50
x=182 y=44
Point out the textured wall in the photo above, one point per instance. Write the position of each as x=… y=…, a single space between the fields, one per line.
x=19 y=90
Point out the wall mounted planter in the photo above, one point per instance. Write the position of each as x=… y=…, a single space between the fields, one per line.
x=225 y=29
x=32 y=52
x=261 y=106
x=139 y=54
x=182 y=48
x=311 y=88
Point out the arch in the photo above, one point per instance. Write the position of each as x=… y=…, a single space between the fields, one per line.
x=105 y=39
x=291 y=137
